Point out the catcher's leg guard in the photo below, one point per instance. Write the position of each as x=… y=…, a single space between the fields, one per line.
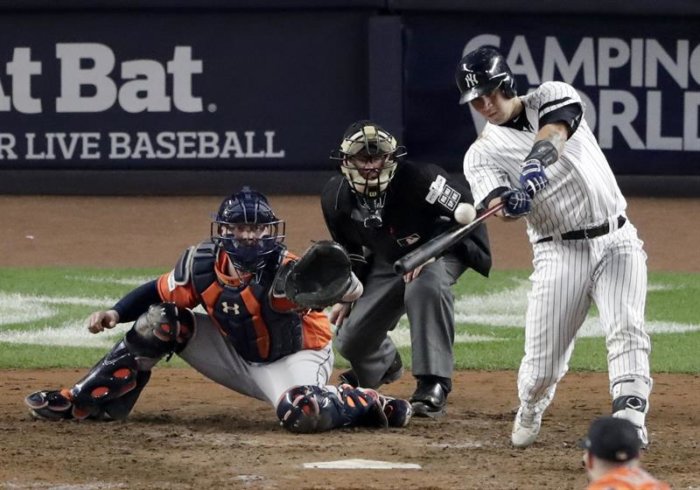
x=309 y=408
x=112 y=386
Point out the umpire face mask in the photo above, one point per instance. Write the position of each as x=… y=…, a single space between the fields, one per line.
x=369 y=177
x=368 y=156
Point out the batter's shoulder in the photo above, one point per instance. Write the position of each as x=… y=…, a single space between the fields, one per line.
x=551 y=92
x=485 y=143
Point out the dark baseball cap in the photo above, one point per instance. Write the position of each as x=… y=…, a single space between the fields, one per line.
x=612 y=439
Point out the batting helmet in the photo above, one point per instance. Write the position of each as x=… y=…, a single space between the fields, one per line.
x=246 y=228
x=365 y=140
x=481 y=72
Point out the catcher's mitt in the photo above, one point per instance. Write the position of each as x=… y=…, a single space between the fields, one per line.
x=321 y=277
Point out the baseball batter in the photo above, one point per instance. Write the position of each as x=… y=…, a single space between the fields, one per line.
x=537 y=154
x=252 y=338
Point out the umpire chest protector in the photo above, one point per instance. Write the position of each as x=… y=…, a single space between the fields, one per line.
x=420 y=204
x=244 y=314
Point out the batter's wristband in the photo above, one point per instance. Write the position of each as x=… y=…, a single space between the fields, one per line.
x=544 y=152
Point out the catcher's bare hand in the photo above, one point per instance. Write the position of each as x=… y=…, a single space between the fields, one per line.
x=100 y=320
x=338 y=313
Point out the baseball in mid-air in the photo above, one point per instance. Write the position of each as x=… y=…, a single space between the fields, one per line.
x=465 y=213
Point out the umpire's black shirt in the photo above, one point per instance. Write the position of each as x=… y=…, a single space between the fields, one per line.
x=420 y=204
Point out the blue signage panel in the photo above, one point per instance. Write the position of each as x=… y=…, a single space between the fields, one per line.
x=212 y=90
x=638 y=76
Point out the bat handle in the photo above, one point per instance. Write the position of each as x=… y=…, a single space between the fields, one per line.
x=433 y=248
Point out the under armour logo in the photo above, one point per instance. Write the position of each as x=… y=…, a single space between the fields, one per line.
x=227 y=308
x=470 y=79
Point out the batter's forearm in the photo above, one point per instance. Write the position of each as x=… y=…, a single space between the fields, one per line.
x=554 y=133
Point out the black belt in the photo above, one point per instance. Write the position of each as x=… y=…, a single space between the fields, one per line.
x=596 y=231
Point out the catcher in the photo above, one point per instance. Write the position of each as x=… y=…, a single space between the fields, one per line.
x=262 y=335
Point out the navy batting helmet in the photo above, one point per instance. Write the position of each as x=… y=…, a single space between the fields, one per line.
x=246 y=228
x=481 y=72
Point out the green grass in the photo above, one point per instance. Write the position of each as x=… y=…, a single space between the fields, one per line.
x=62 y=298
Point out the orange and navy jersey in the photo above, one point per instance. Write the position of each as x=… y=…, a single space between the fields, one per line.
x=261 y=327
x=628 y=478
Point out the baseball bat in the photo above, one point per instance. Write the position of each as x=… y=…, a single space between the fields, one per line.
x=433 y=248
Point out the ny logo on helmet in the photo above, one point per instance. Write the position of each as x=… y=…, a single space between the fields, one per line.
x=470 y=79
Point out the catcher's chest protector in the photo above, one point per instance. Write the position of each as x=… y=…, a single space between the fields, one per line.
x=257 y=332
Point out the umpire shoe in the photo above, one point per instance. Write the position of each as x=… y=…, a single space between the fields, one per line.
x=429 y=399
x=526 y=427
x=393 y=373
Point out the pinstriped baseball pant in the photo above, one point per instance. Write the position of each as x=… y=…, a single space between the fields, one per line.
x=568 y=277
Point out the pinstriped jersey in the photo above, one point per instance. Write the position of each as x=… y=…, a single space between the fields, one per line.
x=582 y=190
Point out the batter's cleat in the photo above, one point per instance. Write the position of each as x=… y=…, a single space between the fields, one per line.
x=429 y=399
x=526 y=427
x=643 y=436
x=50 y=405
x=393 y=373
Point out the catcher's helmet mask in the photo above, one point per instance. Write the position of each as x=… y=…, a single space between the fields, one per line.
x=482 y=71
x=247 y=212
x=365 y=145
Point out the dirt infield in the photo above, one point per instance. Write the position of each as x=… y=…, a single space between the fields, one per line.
x=189 y=433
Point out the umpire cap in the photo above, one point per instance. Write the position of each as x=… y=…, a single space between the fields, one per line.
x=612 y=439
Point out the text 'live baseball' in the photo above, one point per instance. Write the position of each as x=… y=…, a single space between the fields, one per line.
x=139 y=145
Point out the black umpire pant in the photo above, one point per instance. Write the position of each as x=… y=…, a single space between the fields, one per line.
x=428 y=302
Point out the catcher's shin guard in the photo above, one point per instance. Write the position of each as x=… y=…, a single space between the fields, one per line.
x=114 y=376
x=110 y=389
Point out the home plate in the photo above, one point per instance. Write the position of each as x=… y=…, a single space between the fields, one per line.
x=361 y=464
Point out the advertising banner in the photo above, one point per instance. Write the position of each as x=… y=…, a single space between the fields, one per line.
x=195 y=90
x=638 y=76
